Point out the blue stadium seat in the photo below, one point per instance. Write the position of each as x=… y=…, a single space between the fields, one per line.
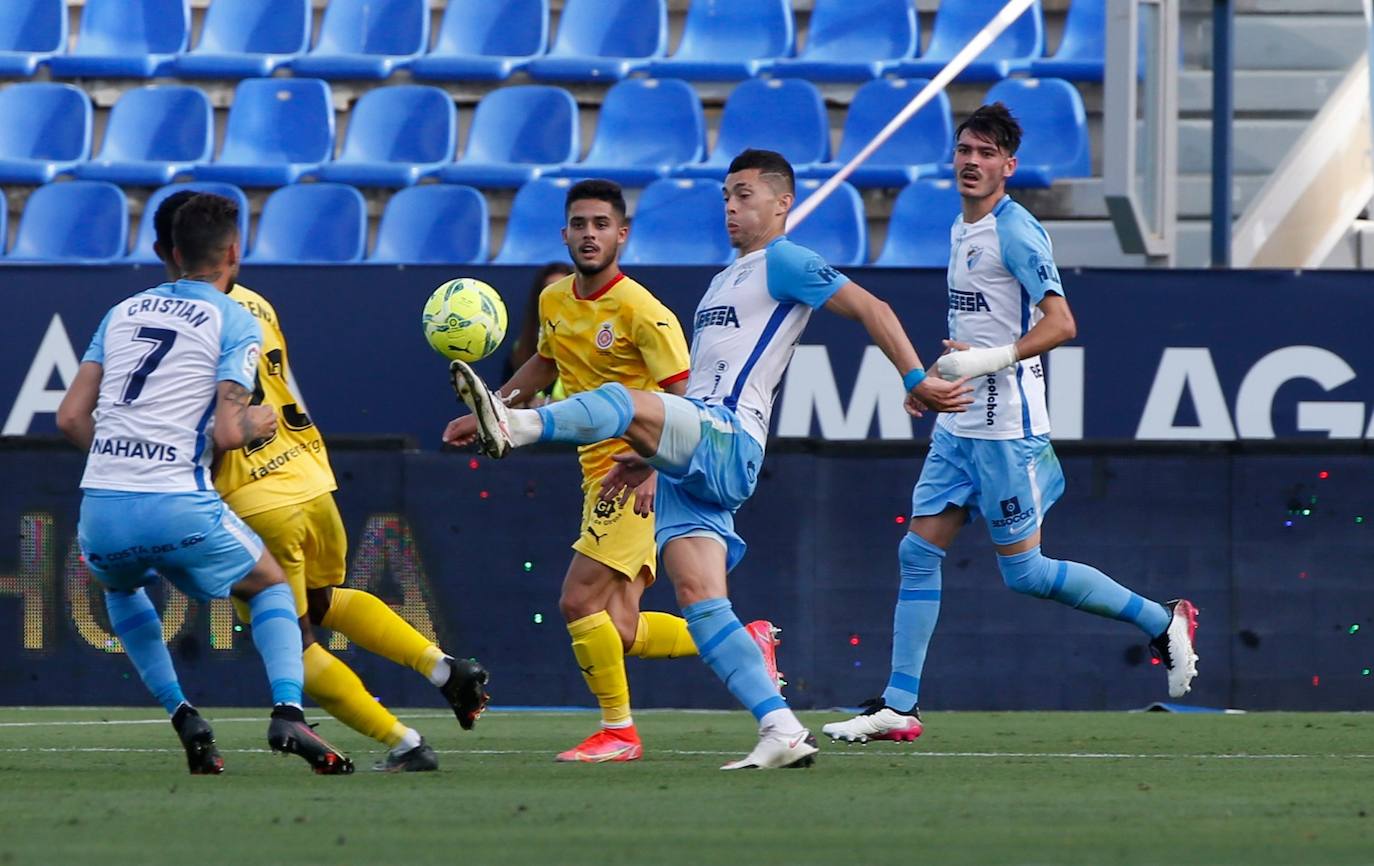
x=957 y=23
x=142 y=252
x=367 y=39
x=1054 y=129
x=311 y=222
x=484 y=41
x=31 y=31
x=918 y=231
x=517 y=133
x=154 y=134
x=45 y=130
x=279 y=128
x=645 y=129
x=533 y=228
x=854 y=40
x=679 y=222
x=782 y=114
x=837 y=229
x=247 y=39
x=922 y=147
x=85 y=220
x=604 y=39
x=440 y=223
x=1082 y=54
x=126 y=39
x=396 y=135
x=729 y=40
x=4 y=226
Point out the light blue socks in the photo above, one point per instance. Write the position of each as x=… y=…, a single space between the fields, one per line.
x=277 y=635
x=913 y=622
x=603 y=413
x=729 y=651
x=1081 y=587
x=138 y=627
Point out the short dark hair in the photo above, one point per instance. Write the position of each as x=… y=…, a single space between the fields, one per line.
x=767 y=162
x=203 y=228
x=996 y=124
x=601 y=190
x=162 y=219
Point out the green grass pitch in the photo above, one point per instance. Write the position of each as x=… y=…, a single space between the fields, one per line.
x=96 y=785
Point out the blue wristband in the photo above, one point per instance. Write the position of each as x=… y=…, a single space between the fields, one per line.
x=913 y=378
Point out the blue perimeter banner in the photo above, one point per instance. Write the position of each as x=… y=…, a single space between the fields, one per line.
x=1161 y=355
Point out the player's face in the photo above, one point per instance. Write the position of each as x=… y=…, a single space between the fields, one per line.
x=594 y=235
x=981 y=166
x=754 y=210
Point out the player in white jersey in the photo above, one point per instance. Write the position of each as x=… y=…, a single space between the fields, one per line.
x=166 y=382
x=708 y=446
x=1006 y=309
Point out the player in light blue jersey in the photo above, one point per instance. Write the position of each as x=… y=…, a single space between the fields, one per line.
x=1006 y=309
x=166 y=382
x=708 y=446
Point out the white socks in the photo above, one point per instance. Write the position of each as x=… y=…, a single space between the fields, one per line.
x=525 y=426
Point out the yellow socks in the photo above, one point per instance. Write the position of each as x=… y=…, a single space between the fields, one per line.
x=336 y=688
x=662 y=636
x=601 y=656
x=371 y=624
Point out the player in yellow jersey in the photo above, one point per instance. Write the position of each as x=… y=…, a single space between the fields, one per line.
x=597 y=326
x=283 y=488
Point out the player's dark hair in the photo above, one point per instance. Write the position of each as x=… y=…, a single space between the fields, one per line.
x=600 y=190
x=162 y=221
x=768 y=162
x=203 y=228
x=996 y=124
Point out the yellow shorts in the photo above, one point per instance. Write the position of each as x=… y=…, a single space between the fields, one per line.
x=615 y=536
x=308 y=540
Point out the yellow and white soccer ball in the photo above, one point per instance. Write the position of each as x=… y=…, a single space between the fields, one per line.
x=464 y=320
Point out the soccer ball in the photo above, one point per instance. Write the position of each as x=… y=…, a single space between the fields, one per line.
x=464 y=320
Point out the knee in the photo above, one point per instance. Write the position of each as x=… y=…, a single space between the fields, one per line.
x=1028 y=573
x=919 y=559
x=317 y=603
x=574 y=606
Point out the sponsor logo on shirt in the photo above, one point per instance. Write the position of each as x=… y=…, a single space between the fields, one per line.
x=1044 y=269
x=992 y=400
x=968 y=302
x=817 y=266
x=723 y=316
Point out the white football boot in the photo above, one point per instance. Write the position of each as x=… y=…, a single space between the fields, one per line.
x=1176 y=648
x=493 y=425
x=777 y=750
x=877 y=722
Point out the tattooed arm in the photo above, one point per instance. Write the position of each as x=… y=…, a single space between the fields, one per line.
x=236 y=422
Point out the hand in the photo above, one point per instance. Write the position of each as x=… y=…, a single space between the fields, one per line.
x=630 y=471
x=914 y=407
x=461 y=431
x=955 y=346
x=262 y=422
x=942 y=396
x=644 y=495
x=963 y=362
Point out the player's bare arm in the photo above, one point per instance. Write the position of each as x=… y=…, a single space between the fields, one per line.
x=854 y=302
x=534 y=376
x=237 y=422
x=75 y=416
x=1056 y=328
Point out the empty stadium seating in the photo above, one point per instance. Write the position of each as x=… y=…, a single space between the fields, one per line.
x=517 y=133
x=919 y=230
x=396 y=135
x=782 y=114
x=836 y=229
x=604 y=39
x=1082 y=54
x=31 y=31
x=278 y=129
x=729 y=40
x=435 y=223
x=313 y=222
x=957 y=23
x=854 y=40
x=84 y=220
x=142 y=252
x=484 y=41
x=646 y=128
x=1054 y=141
x=154 y=134
x=247 y=39
x=126 y=38
x=920 y=148
x=367 y=39
x=678 y=221
x=45 y=129
x=533 y=228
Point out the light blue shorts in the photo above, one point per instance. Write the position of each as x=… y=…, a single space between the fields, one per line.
x=708 y=466
x=1011 y=482
x=192 y=539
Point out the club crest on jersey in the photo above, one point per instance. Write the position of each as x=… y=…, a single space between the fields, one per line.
x=974 y=253
x=743 y=275
x=605 y=337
